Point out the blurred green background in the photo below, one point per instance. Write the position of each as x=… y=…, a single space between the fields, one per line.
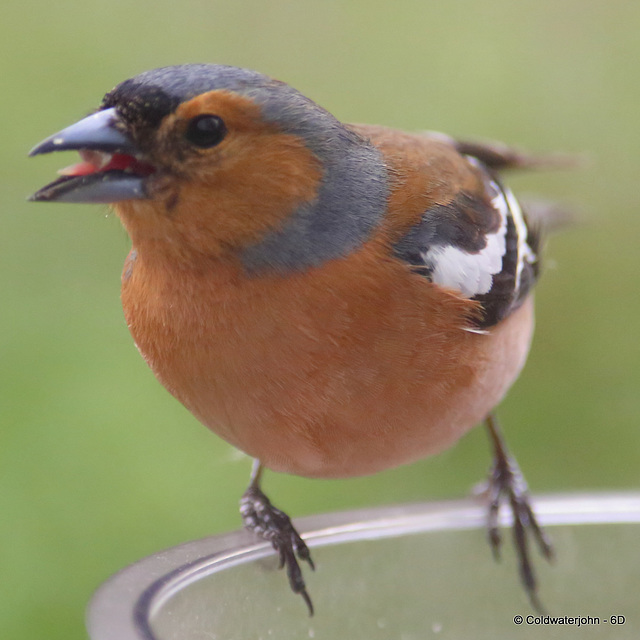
x=99 y=466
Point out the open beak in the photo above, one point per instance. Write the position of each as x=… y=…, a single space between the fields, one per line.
x=111 y=169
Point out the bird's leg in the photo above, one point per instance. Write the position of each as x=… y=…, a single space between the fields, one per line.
x=275 y=526
x=506 y=482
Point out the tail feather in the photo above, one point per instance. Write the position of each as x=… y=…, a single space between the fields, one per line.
x=499 y=156
x=548 y=216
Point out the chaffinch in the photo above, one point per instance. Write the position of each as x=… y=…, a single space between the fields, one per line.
x=332 y=299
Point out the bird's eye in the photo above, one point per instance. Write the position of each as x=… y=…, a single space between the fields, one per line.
x=205 y=131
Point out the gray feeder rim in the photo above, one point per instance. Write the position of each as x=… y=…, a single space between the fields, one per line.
x=123 y=606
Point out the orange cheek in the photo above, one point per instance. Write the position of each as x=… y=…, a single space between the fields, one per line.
x=255 y=190
x=231 y=196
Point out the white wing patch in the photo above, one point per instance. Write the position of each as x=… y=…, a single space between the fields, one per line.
x=472 y=273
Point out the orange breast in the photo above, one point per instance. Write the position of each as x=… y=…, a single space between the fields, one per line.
x=343 y=370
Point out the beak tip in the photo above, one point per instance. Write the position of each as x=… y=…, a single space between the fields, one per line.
x=37 y=196
x=47 y=146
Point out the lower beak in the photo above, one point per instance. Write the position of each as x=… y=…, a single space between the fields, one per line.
x=112 y=170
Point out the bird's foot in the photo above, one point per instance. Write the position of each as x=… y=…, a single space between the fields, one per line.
x=507 y=484
x=275 y=526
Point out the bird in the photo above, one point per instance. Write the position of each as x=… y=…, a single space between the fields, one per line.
x=332 y=299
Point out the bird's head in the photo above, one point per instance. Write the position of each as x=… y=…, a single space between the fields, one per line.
x=215 y=158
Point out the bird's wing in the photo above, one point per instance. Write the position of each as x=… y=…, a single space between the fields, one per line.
x=469 y=234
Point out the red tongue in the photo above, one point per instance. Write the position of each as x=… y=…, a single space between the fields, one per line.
x=118 y=162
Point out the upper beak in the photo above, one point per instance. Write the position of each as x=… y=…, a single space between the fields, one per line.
x=111 y=170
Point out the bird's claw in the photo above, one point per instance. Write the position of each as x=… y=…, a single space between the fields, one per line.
x=507 y=484
x=275 y=526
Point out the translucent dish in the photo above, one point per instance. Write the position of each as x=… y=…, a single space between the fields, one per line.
x=405 y=572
